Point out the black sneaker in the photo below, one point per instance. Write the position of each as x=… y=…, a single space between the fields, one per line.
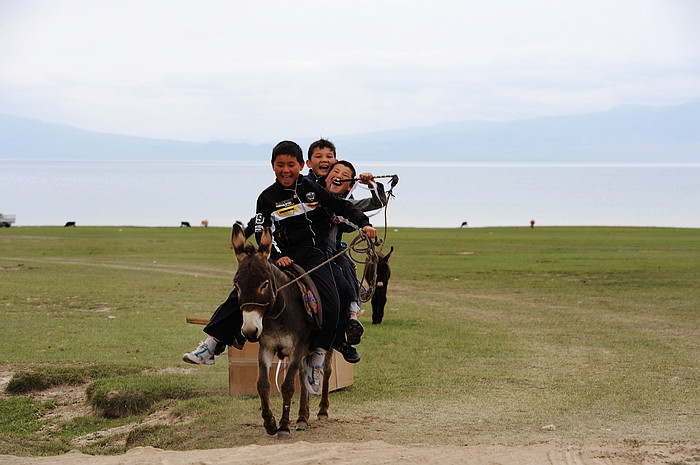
x=349 y=353
x=354 y=331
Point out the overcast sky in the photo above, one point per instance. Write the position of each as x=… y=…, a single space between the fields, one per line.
x=262 y=71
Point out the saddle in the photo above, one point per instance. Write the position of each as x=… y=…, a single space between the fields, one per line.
x=309 y=294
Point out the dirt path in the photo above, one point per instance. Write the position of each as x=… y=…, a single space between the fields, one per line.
x=379 y=452
x=178 y=269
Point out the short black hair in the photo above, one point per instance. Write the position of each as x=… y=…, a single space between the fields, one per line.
x=321 y=144
x=287 y=147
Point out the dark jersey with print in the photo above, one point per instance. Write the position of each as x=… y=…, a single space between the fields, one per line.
x=299 y=215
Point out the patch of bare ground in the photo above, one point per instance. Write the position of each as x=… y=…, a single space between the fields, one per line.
x=160 y=417
x=177 y=269
x=72 y=402
x=175 y=370
x=5 y=377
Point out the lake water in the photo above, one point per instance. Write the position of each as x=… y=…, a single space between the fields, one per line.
x=428 y=195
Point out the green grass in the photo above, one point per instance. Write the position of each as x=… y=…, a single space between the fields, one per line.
x=135 y=394
x=489 y=335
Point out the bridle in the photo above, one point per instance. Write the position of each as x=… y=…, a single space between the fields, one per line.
x=365 y=295
x=274 y=290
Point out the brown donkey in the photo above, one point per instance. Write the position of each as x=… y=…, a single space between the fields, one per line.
x=274 y=315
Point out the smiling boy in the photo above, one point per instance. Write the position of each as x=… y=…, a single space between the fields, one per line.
x=321 y=158
x=339 y=182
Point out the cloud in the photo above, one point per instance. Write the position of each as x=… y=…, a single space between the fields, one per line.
x=257 y=70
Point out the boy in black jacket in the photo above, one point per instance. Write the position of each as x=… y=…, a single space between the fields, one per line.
x=339 y=182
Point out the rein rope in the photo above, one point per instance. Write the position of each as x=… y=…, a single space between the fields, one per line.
x=275 y=290
x=389 y=194
x=369 y=251
x=370 y=263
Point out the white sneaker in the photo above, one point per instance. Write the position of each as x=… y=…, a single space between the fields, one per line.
x=314 y=375
x=201 y=355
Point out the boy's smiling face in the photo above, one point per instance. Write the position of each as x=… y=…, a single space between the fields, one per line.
x=321 y=161
x=287 y=169
x=339 y=171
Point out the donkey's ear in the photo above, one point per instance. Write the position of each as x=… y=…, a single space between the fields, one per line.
x=265 y=244
x=238 y=241
x=387 y=257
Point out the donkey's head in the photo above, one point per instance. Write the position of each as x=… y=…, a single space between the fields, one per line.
x=383 y=270
x=379 y=269
x=254 y=281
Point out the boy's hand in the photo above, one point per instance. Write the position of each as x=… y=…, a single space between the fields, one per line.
x=284 y=262
x=369 y=231
x=367 y=178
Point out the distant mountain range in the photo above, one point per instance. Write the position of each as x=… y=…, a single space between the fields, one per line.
x=625 y=134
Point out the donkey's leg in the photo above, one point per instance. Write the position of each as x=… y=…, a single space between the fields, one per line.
x=287 y=395
x=382 y=303
x=264 y=392
x=303 y=418
x=325 y=402
x=375 y=309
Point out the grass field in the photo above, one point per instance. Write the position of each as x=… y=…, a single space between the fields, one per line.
x=490 y=335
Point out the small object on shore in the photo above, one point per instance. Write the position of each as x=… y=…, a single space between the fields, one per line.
x=549 y=428
x=7 y=220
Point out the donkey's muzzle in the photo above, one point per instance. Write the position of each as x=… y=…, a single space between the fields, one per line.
x=252 y=325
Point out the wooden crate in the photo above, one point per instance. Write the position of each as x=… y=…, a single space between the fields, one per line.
x=243 y=372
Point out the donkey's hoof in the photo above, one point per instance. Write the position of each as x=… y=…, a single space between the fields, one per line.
x=283 y=434
x=302 y=425
x=323 y=417
x=271 y=428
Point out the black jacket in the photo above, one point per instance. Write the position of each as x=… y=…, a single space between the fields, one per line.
x=299 y=215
